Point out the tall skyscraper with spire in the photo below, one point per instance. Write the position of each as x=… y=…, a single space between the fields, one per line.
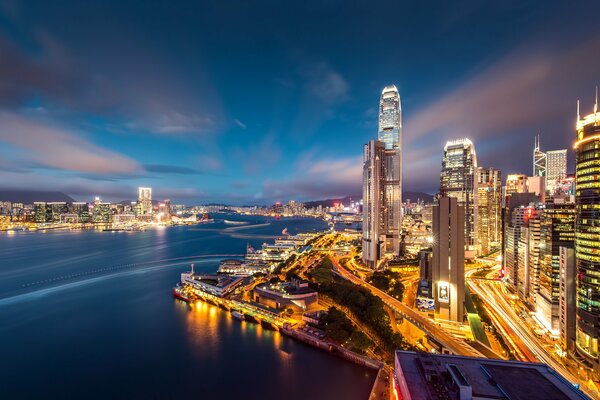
x=382 y=182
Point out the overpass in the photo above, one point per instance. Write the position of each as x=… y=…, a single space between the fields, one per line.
x=433 y=330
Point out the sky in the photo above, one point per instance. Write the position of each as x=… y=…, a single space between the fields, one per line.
x=242 y=102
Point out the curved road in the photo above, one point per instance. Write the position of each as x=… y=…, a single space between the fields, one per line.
x=498 y=304
x=451 y=343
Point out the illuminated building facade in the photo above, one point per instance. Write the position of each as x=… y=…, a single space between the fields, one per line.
x=489 y=208
x=556 y=168
x=458 y=180
x=516 y=183
x=533 y=261
x=144 y=200
x=448 y=259
x=587 y=237
x=557 y=230
x=374 y=210
x=390 y=134
x=101 y=213
x=567 y=293
x=382 y=182
x=539 y=159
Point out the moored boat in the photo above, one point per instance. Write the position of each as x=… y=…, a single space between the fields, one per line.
x=268 y=325
x=179 y=294
x=237 y=315
x=251 y=318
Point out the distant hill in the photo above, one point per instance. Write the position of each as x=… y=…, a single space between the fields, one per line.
x=30 y=196
x=413 y=196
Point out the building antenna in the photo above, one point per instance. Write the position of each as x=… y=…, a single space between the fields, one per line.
x=192 y=273
x=596 y=102
x=578 y=118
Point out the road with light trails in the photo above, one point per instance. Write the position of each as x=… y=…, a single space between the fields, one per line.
x=496 y=301
x=451 y=343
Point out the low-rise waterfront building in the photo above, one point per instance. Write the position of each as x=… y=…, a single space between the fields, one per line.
x=295 y=294
x=213 y=284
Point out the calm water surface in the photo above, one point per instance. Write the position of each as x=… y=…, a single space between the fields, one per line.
x=86 y=314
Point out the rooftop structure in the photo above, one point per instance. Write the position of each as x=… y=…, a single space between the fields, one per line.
x=213 y=284
x=295 y=294
x=425 y=376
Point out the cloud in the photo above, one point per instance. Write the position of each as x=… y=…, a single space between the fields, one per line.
x=173 y=122
x=240 y=124
x=55 y=147
x=326 y=84
x=239 y=184
x=325 y=178
x=130 y=96
x=258 y=157
x=531 y=90
x=171 y=169
x=211 y=163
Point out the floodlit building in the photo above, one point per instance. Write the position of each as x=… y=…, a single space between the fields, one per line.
x=458 y=180
x=539 y=159
x=382 y=183
x=557 y=230
x=390 y=134
x=516 y=183
x=587 y=237
x=568 y=296
x=489 y=209
x=556 y=168
x=448 y=259
x=144 y=200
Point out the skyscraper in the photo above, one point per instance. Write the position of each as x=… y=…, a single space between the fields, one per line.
x=557 y=230
x=489 y=211
x=390 y=133
x=516 y=183
x=556 y=168
x=539 y=159
x=145 y=200
x=448 y=259
x=382 y=182
x=458 y=180
x=374 y=210
x=587 y=237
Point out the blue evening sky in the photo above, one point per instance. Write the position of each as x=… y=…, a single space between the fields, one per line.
x=251 y=102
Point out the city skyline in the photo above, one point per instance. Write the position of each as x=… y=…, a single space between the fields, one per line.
x=200 y=131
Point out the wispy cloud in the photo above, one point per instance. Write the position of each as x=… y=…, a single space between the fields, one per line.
x=329 y=177
x=240 y=124
x=259 y=156
x=323 y=82
x=171 y=169
x=532 y=89
x=56 y=147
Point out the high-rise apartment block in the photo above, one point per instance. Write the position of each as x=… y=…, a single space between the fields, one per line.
x=448 y=259
x=458 y=180
x=489 y=209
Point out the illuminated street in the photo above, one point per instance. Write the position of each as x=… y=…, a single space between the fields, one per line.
x=528 y=346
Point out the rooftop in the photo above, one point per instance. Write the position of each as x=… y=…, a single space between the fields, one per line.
x=432 y=376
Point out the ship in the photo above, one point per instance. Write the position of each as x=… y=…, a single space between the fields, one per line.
x=234 y=222
x=206 y=219
x=251 y=318
x=179 y=294
x=237 y=315
x=268 y=325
